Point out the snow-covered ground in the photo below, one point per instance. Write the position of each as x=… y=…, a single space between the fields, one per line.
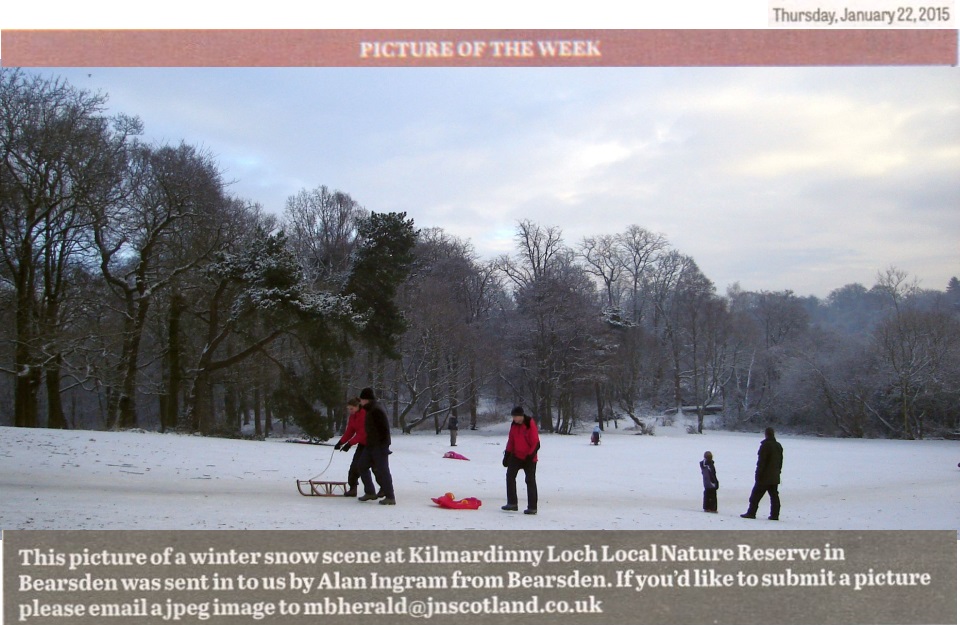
x=68 y=480
x=52 y=479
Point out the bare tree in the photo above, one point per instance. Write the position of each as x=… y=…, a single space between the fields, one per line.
x=554 y=325
x=322 y=228
x=532 y=273
x=635 y=372
x=602 y=257
x=766 y=328
x=914 y=346
x=843 y=385
x=698 y=332
x=537 y=250
x=709 y=335
x=780 y=315
x=61 y=157
x=447 y=300
x=665 y=285
x=147 y=243
x=640 y=249
x=743 y=355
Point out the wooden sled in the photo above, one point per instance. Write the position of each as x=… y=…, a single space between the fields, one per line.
x=317 y=488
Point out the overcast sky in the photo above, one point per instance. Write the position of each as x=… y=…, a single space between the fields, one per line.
x=777 y=178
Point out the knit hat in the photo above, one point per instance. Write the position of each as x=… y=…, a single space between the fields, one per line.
x=517 y=412
x=367 y=394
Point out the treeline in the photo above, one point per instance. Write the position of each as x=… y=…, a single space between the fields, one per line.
x=135 y=291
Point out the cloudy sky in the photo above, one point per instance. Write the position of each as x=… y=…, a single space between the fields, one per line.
x=777 y=178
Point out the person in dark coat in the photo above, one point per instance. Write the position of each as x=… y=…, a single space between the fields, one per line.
x=710 y=482
x=453 y=425
x=523 y=442
x=767 y=477
x=376 y=455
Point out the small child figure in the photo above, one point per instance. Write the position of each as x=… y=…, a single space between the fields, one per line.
x=710 y=482
x=595 y=435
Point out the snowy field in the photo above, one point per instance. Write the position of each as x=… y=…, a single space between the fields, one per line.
x=53 y=479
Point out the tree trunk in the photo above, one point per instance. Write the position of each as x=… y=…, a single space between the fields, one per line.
x=268 y=421
x=28 y=376
x=55 y=416
x=905 y=411
x=201 y=402
x=25 y=398
x=474 y=399
x=453 y=400
x=257 y=403
x=123 y=410
x=598 y=388
x=243 y=407
x=171 y=411
x=230 y=407
x=128 y=395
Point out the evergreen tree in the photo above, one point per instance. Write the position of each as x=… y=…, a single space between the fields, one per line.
x=953 y=293
x=382 y=262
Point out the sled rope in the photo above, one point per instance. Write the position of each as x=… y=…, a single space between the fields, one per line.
x=333 y=451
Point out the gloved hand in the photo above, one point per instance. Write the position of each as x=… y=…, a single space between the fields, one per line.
x=338 y=445
x=506 y=456
x=346 y=447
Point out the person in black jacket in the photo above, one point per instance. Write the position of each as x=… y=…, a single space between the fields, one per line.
x=376 y=455
x=767 y=477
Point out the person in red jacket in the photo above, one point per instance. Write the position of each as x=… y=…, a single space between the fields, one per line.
x=521 y=453
x=353 y=435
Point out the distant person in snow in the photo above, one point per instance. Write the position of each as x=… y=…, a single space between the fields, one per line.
x=453 y=426
x=767 y=477
x=595 y=435
x=523 y=442
x=710 y=482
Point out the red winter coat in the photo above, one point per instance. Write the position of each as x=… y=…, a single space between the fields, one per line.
x=524 y=439
x=356 y=433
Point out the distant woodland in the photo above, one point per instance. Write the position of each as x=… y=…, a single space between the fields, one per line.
x=137 y=292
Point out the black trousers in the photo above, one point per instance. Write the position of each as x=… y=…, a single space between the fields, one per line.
x=377 y=458
x=710 y=499
x=759 y=490
x=514 y=465
x=353 y=473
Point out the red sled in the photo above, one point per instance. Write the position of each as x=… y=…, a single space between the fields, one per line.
x=447 y=501
x=455 y=456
